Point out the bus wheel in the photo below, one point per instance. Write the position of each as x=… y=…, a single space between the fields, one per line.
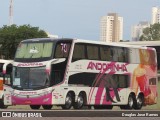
x=140 y=101
x=35 y=107
x=47 y=107
x=131 y=101
x=2 y=106
x=80 y=102
x=68 y=101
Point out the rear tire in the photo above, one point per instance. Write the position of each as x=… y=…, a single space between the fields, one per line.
x=68 y=102
x=131 y=102
x=80 y=102
x=35 y=107
x=140 y=102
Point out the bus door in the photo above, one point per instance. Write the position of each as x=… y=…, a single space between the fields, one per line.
x=59 y=67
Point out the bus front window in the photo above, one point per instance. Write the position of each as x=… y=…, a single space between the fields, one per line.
x=30 y=78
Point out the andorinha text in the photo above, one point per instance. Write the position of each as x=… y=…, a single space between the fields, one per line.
x=107 y=66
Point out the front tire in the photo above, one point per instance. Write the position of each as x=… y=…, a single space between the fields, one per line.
x=35 y=107
x=68 y=101
x=2 y=106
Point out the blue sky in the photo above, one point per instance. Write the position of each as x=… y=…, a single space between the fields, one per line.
x=76 y=18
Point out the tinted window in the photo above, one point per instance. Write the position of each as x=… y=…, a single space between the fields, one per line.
x=123 y=81
x=79 y=52
x=105 y=53
x=110 y=81
x=62 y=50
x=92 y=52
x=119 y=54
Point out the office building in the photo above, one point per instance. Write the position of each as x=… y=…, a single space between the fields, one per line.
x=155 y=15
x=137 y=30
x=111 y=28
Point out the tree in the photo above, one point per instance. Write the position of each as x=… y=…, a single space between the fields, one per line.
x=151 y=33
x=11 y=36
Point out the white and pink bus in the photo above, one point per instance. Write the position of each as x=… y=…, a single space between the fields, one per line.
x=74 y=72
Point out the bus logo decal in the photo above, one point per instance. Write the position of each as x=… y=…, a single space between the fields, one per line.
x=107 y=66
x=33 y=50
x=29 y=64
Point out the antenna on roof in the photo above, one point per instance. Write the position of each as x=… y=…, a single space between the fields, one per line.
x=11 y=12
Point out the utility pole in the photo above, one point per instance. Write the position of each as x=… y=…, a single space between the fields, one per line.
x=11 y=12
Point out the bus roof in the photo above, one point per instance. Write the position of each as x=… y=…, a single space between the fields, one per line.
x=143 y=43
x=120 y=44
x=45 y=39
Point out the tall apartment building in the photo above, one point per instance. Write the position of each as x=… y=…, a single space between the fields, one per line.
x=137 y=30
x=111 y=28
x=155 y=15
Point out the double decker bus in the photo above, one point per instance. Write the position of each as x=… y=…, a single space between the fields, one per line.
x=5 y=78
x=76 y=73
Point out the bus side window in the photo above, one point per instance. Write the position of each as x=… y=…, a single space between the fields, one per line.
x=123 y=81
x=105 y=53
x=126 y=55
x=92 y=52
x=79 y=52
x=119 y=54
x=56 y=75
x=8 y=78
x=115 y=54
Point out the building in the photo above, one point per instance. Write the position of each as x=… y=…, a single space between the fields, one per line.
x=111 y=28
x=51 y=36
x=155 y=15
x=137 y=30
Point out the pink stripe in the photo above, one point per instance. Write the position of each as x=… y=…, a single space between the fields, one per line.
x=99 y=77
x=89 y=98
x=99 y=95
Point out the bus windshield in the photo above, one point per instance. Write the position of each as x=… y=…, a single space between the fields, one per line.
x=34 y=51
x=30 y=78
